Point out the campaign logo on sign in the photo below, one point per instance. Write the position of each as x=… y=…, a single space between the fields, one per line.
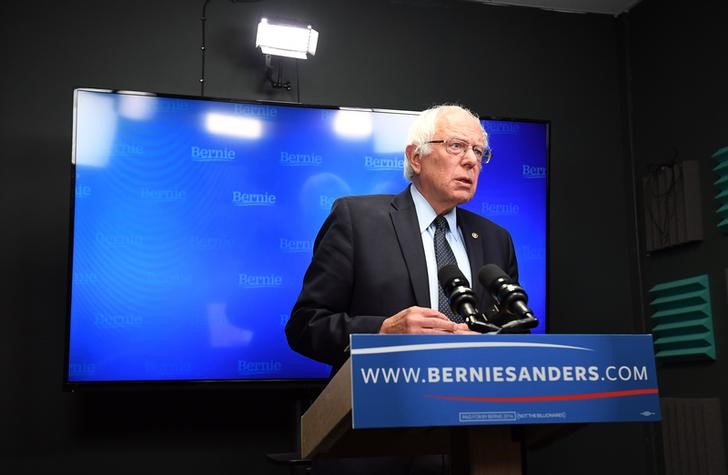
x=502 y=128
x=531 y=171
x=296 y=245
x=256 y=111
x=500 y=209
x=81 y=371
x=117 y=321
x=252 y=281
x=118 y=240
x=162 y=195
x=383 y=164
x=201 y=154
x=301 y=159
x=531 y=253
x=210 y=243
x=252 y=368
x=122 y=149
x=83 y=191
x=166 y=369
x=254 y=199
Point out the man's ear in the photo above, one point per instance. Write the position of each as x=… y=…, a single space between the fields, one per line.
x=414 y=157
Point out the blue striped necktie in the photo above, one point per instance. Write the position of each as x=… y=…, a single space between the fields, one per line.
x=443 y=257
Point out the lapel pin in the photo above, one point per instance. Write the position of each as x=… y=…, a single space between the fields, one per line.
x=475 y=235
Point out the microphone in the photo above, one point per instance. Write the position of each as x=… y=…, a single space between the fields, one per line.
x=462 y=299
x=509 y=296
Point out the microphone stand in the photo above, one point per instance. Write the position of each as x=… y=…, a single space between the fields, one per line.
x=521 y=325
x=480 y=324
x=508 y=324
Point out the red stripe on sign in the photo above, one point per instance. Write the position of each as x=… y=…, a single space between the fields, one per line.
x=565 y=397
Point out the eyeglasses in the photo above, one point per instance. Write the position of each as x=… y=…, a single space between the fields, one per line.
x=459 y=147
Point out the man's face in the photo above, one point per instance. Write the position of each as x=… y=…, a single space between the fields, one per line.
x=444 y=179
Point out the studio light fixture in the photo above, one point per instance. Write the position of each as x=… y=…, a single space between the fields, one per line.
x=286 y=40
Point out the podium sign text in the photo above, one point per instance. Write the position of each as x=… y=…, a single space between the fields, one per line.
x=450 y=380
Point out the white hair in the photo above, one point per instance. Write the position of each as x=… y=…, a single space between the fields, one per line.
x=424 y=127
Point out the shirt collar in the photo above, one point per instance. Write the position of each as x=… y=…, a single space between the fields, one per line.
x=426 y=215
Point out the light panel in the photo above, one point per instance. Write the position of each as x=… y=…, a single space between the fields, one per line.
x=286 y=40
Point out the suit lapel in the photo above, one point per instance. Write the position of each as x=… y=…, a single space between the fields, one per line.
x=407 y=228
x=474 y=248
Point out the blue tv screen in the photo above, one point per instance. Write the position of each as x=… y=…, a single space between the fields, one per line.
x=193 y=222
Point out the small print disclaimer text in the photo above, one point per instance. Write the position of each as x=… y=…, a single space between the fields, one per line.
x=507 y=416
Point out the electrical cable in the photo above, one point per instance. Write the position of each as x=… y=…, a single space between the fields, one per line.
x=663 y=213
x=298 y=84
x=203 y=19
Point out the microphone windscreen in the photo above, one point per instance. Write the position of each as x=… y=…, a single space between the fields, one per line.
x=449 y=272
x=490 y=273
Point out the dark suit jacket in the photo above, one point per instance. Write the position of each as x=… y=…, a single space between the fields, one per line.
x=368 y=264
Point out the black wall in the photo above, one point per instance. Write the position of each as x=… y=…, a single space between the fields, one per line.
x=679 y=102
x=501 y=61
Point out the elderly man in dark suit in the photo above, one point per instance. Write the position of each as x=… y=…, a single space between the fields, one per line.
x=374 y=268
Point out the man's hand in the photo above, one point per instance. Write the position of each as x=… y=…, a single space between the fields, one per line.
x=423 y=321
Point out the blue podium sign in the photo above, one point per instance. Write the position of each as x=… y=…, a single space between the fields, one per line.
x=451 y=380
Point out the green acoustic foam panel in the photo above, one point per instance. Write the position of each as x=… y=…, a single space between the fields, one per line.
x=721 y=156
x=682 y=319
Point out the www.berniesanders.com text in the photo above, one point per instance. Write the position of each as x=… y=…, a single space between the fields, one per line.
x=502 y=374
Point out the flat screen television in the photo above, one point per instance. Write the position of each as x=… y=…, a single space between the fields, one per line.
x=193 y=222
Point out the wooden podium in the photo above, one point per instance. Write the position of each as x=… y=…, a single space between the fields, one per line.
x=326 y=431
